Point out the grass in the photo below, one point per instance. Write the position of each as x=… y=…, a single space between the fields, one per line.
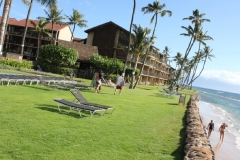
x=145 y=125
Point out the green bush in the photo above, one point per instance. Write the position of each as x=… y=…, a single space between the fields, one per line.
x=109 y=65
x=112 y=76
x=15 y=63
x=58 y=55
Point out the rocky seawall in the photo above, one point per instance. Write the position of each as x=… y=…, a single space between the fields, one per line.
x=197 y=145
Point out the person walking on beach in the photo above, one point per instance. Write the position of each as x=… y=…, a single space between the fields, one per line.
x=221 y=130
x=210 y=128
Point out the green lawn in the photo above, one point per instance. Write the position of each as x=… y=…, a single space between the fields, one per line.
x=145 y=125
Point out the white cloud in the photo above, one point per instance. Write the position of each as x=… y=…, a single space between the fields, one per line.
x=223 y=76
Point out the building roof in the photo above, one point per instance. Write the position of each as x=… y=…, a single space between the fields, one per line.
x=110 y=22
x=14 y=22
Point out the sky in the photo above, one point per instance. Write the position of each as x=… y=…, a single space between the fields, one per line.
x=222 y=73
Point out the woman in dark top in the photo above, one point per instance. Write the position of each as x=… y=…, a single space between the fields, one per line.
x=210 y=128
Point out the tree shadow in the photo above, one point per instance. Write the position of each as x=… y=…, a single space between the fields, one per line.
x=54 y=109
x=179 y=154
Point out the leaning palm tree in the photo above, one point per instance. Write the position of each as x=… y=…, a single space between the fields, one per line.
x=207 y=55
x=76 y=19
x=196 y=19
x=129 y=38
x=53 y=16
x=5 y=15
x=140 y=43
x=157 y=9
x=30 y=4
x=41 y=30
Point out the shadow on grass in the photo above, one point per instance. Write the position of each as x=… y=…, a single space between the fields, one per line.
x=179 y=154
x=144 y=88
x=54 y=109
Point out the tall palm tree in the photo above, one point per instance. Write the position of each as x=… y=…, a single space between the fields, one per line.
x=76 y=19
x=30 y=4
x=41 y=30
x=157 y=9
x=129 y=38
x=197 y=19
x=140 y=43
x=53 y=16
x=6 y=10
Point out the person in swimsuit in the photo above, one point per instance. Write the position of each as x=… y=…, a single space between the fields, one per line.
x=221 y=130
x=210 y=128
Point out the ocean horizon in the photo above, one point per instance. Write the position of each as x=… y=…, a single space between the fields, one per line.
x=226 y=106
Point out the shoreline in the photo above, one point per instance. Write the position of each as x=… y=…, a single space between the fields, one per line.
x=226 y=149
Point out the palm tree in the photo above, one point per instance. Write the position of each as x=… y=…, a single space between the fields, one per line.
x=140 y=43
x=30 y=4
x=41 y=30
x=157 y=9
x=197 y=20
x=166 y=51
x=76 y=19
x=129 y=38
x=53 y=16
x=207 y=55
x=197 y=17
x=177 y=59
x=5 y=15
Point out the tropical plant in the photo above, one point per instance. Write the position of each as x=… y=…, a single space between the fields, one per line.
x=40 y=30
x=129 y=39
x=109 y=65
x=76 y=19
x=6 y=9
x=157 y=9
x=206 y=55
x=193 y=32
x=30 y=4
x=140 y=43
x=58 y=55
x=53 y=16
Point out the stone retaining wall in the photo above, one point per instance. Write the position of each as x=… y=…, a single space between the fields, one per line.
x=197 y=145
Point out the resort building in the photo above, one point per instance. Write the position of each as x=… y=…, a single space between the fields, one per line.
x=14 y=35
x=109 y=37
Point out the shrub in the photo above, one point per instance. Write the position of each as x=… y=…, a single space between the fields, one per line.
x=110 y=65
x=16 y=64
x=58 y=55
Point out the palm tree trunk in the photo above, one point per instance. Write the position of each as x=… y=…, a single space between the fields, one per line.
x=154 y=27
x=200 y=71
x=130 y=32
x=135 y=67
x=145 y=57
x=192 y=41
x=73 y=32
x=6 y=9
x=26 y=27
x=52 y=31
x=38 y=44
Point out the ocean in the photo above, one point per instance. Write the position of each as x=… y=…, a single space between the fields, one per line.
x=226 y=106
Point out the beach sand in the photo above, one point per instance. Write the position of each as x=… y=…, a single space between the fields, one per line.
x=226 y=149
